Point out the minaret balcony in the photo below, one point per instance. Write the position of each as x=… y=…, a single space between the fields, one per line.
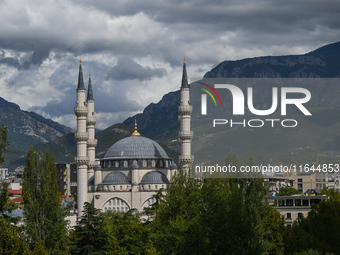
x=185 y=109
x=81 y=136
x=92 y=143
x=81 y=160
x=91 y=164
x=186 y=159
x=185 y=135
x=80 y=111
x=91 y=120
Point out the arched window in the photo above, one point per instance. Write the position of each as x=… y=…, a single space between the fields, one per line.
x=161 y=163
x=117 y=164
x=125 y=163
x=116 y=204
x=153 y=163
x=145 y=163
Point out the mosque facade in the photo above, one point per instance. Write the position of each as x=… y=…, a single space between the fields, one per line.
x=134 y=168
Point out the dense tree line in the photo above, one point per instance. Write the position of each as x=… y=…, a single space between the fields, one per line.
x=194 y=216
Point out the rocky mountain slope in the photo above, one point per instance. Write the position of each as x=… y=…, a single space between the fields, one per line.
x=26 y=128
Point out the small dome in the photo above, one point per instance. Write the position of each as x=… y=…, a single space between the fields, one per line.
x=116 y=178
x=154 y=177
x=136 y=147
x=173 y=166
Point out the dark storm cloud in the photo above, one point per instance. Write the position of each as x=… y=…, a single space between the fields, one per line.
x=109 y=96
x=127 y=69
x=185 y=24
x=10 y=62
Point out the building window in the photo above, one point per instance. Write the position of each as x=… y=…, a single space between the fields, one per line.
x=299 y=180
x=122 y=208
x=125 y=163
x=149 y=186
x=121 y=187
x=153 y=163
x=127 y=187
x=299 y=215
x=156 y=186
x=161 y=163
x=114 y=187
x=135 y=162
x=166 y=163
x=162 y=186
x=289 y=215
x=109 y=164
x=126 y=209
x=105 y=209
x=117 y=164
x=109 y=202
x=117 y=209
x=144 y=163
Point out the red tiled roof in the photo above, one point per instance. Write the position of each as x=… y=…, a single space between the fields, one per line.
x=15 y=191
x=18 y=200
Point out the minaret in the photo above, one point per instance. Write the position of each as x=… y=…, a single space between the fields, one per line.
x=185 y=135
x=81 y=137
x=90 y=128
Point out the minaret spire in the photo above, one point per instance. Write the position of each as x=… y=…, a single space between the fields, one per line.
x=81 y=136
x=184 y=76
x=80 y=77
x=89 y=89
x=92 y=141
x=185 y=133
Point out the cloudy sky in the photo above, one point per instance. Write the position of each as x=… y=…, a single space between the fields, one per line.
x=135 y=49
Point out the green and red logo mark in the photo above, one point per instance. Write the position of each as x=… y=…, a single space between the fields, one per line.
x=204 y=97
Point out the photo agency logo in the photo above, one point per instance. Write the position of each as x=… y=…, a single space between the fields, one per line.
x=285 y=95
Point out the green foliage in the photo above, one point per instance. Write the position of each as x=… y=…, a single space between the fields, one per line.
x=320 y=230
x=90 y=235
x=44 y=213
x=217 y=216
x=127 y=234
x=11 y=241
x=287 y=191
x=6 y=204
x=4 y=144
x=334 y=195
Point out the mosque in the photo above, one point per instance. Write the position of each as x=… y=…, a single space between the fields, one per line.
x=134 y=168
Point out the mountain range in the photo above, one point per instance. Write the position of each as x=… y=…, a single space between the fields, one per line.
x=159 y=121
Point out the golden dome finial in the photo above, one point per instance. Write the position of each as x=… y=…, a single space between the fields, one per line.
x=135 y=133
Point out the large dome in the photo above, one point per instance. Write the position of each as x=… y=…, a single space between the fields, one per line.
x=135 y=147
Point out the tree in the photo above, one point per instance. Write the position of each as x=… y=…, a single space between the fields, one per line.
x=320 y=230
x=217 y=216
x=11 y=241
x=6 y=204
x=90 y=236
x=4 y=144
x=127 y=233
x=44 y=213
x=287 y=191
